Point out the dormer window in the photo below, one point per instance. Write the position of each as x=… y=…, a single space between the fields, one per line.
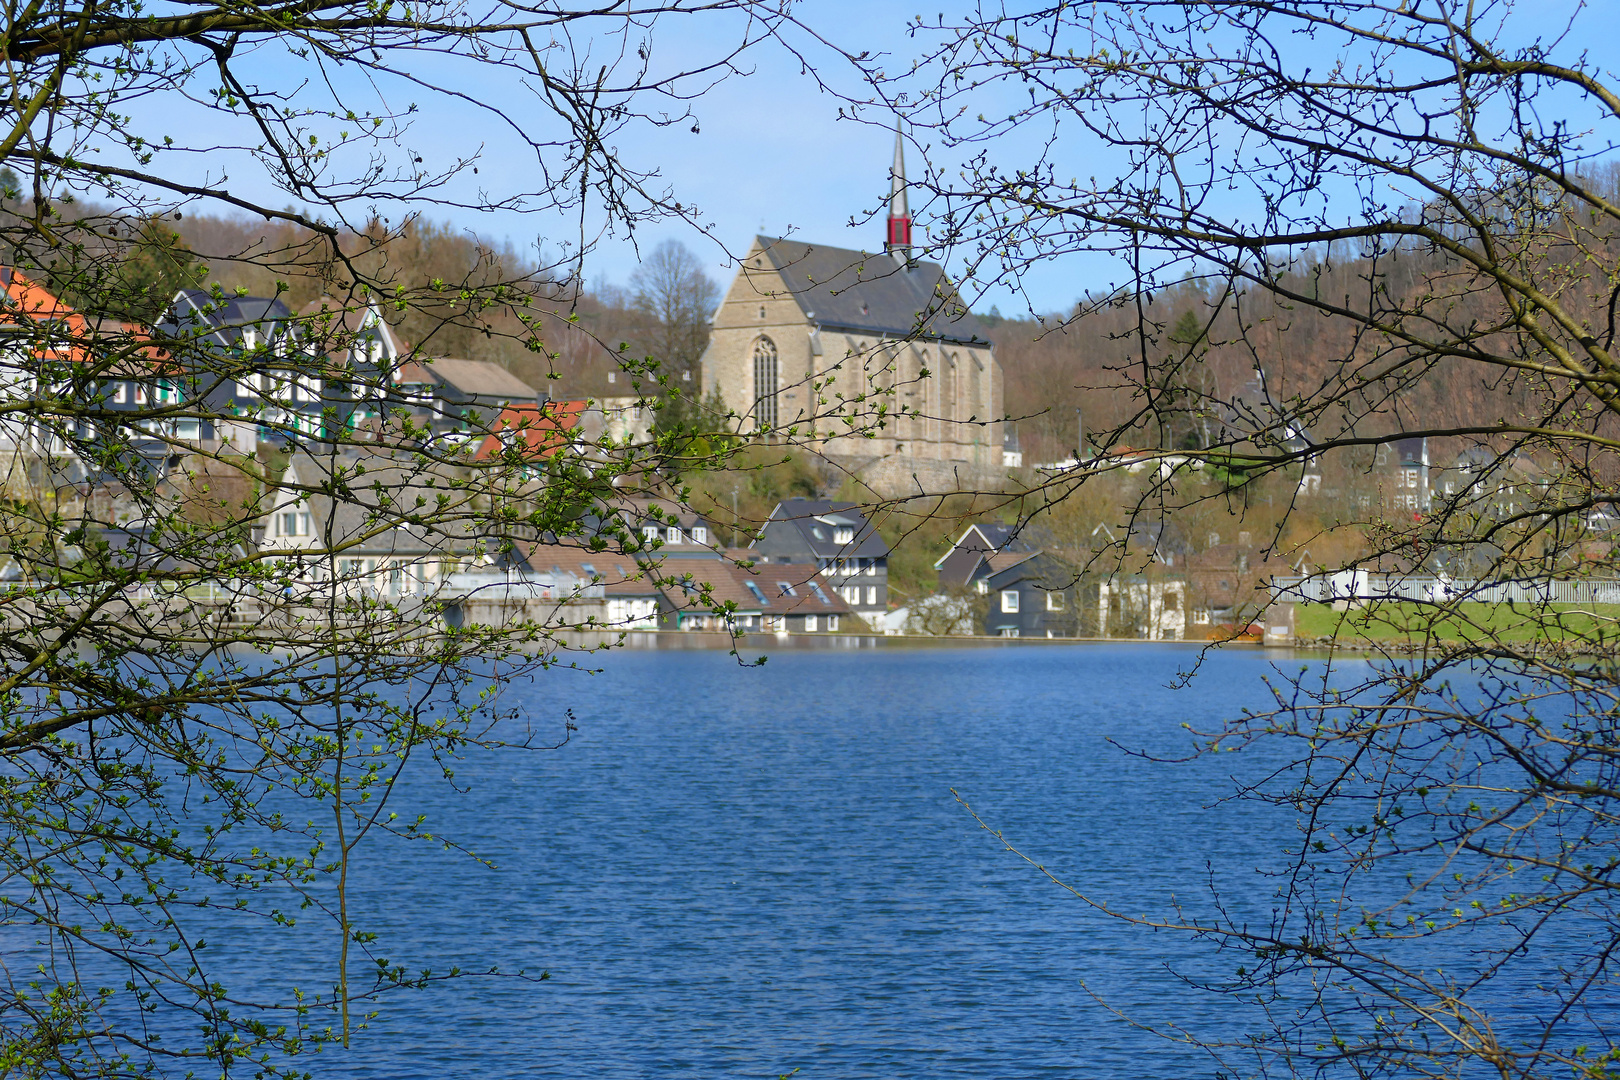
x=649 y=533
x=700 y=535
x=843 y=534
x=673 y=535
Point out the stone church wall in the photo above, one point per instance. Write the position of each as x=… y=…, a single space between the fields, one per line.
x=870 y=399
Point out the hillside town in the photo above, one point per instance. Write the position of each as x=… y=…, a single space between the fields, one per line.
x=864 y=370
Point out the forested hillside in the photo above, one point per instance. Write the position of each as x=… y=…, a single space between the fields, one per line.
x=1192 y=349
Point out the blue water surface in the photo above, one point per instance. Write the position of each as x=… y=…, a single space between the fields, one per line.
x=739 y=871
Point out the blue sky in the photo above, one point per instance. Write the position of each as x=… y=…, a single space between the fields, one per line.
x=771 y=154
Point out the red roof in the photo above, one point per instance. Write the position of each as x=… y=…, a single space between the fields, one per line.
x=24 y=302
x=534 y=431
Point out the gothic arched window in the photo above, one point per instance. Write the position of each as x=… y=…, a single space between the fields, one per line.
x=765 y=373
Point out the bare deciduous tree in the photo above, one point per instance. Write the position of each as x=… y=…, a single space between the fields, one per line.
x=1400 y=218
x=244 y=546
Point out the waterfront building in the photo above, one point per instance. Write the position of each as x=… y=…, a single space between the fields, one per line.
x=832 y=541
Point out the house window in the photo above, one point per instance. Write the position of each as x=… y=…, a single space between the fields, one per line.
x=1201 y=617
x=700 y=535
x=120 y=393
x=1009 y=601
x=765 y=374
x=871 y=596
x=843 y=534
x=762 y=311
x=809 y=624
x=673 y=535
x=871 y=568
x=981 y=586
x=832 y=623
x=787 y=588
x=776 y=624
x=649 y=533
x=613 y=376
x=1054 y=601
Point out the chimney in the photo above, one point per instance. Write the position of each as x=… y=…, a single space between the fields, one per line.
x=899 y=242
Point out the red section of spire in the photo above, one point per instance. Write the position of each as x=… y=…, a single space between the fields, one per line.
x=899 y=232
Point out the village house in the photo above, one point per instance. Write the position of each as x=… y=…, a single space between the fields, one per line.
x=630 y=596
x=1229 y=585
x=728 y=592
x=449 y=396
x=971 y=558
x=1149 y=606
x=38 y=332
x=1034 y=594
x=832 y=541
x=364 y=544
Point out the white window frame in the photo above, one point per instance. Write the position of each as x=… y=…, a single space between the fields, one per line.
x=871 y=596
x=832 y=623
x=809 y=624
x=1054 y=600
x=1009 y=601
x=700 y=535
x=674 y=535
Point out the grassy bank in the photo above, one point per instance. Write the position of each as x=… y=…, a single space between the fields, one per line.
x=1410 y=621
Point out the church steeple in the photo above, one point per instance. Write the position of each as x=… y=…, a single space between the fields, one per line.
x=899 y=242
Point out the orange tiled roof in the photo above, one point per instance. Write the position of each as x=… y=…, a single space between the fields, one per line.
x=534 y=430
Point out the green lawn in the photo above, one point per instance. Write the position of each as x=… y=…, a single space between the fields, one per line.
x=1409 y=621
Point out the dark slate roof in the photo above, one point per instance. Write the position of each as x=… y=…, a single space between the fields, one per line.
x=481 y=378
x=221 y=321
x=877 y=294
x=810 y=516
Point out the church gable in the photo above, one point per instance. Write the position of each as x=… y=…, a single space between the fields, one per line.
x=875 y=294
x=859 y=356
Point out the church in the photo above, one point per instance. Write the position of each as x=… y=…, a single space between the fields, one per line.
x=870 y=360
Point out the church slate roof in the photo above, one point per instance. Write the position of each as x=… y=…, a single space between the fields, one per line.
x=876 y=294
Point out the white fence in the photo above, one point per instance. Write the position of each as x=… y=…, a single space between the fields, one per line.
x=1361 y=585
x=501 y=587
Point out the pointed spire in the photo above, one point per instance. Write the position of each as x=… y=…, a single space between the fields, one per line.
x=899 y=242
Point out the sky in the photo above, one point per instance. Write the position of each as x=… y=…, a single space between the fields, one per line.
x=770 y=154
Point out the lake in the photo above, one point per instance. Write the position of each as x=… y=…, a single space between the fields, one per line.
x=736 y=872
x=739 y=871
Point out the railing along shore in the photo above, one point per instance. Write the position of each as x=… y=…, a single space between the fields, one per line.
x=1361 y=586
